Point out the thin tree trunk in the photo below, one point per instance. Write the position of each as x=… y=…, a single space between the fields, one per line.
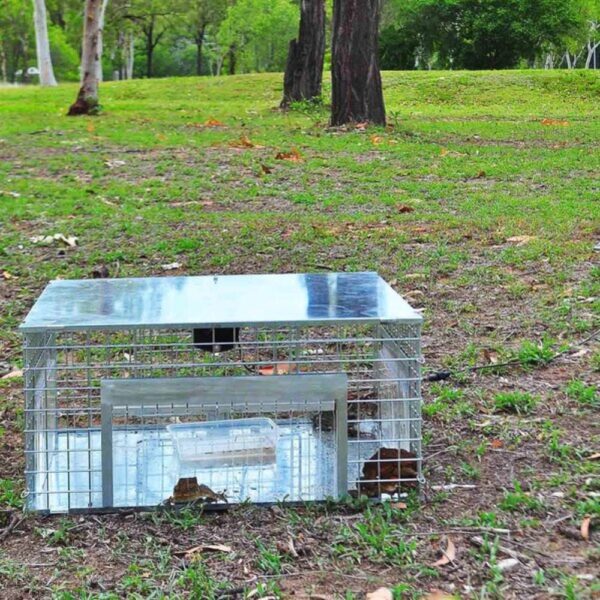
x=42 y=44
x=130 y=52
x=3 y=68
x=591 y=53
x=357 y=95
x=101 y=38
x=232 y=59
x=199 y=38
x=304 y=71
x=87 y=99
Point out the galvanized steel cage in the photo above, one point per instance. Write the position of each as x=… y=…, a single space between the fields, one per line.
x=332 y=360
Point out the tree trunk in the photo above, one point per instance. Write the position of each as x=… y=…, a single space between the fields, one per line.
x=101 y=38
x=130 y=55
x=42 y=43
x=199 y=39
x=87 y=99
x=304 y=69
x=232 y=59
x=3 y=68
x=357 y=94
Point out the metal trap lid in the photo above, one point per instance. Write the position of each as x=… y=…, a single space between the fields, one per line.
x=217 y=301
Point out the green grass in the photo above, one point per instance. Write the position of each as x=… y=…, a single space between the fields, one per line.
x=468 y=203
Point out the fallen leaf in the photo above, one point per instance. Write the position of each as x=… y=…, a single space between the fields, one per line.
x=521 y=240
x=404 y=208
x=556 y=122
x=491 y=356
x=46 y=240
x=213 y=123
x=113 y=164
x=277 y=369
x=14 y=373
x=438 y=595
x=594 y=456
x=507 y=564
x=171 y=266
x=361 y=126
x=585 y=526
x=7 y=275
x=380 y=594
x=293 y=156
x=399 y=505
x=243 y=142
x=266 y=169
x=481 y=175
x=449 y=555
x=204 y=548
x=11 y=194
x=497 y=443
x=376 y=140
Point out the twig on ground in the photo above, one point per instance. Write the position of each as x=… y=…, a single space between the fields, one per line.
x=15 y=521
x=448 y=374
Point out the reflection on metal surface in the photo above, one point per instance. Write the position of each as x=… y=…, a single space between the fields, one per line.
x=223 y=300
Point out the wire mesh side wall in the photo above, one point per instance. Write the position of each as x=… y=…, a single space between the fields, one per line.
x=65 y=371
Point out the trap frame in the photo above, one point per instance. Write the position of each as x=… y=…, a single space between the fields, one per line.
x=332 y=361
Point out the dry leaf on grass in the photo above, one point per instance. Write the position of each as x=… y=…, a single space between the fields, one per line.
x=521 y=240
x=46 y=240
x=449 y=555
x=594 y=456
x=11 y=194
x=13 y=374
x=243 y=142
x=113 y=164
x=204 y=548
x=293 y=155
x=266 y=169
x=7 y=275
x=438 y=595
x=376 y=140
x=213 y=123
x=585 y=527
x=171 y=266
x=399 y=505
x=404 y=208
x=556 y=122
x=380 y=594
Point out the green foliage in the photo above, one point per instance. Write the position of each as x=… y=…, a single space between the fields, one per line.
x=10 y=494
x=584 y=394
x=516 y=402
x=65 y=59
x=258 y=33
x=533 y=354
x=519 y=501
x=471 y=34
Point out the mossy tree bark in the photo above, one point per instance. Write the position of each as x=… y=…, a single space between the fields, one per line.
x=87 y=99
x=304 y=70
x=357 y=94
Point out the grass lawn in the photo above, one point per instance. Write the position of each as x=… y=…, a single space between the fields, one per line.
x=480 y=203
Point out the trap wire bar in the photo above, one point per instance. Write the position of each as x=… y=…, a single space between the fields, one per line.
x=296 y=387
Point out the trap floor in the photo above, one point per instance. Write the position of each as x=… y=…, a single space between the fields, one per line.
x=145 y=470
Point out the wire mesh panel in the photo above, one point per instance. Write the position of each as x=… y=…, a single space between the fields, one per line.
x=282 y=411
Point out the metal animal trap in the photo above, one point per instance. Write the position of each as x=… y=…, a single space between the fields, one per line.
x=140 y=392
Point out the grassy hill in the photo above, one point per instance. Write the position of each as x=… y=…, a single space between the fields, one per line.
x=480 y=202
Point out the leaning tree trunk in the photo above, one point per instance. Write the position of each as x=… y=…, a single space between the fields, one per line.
x=42 y=43
x=87 y=99
x=304 y=70
x=357 y=95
